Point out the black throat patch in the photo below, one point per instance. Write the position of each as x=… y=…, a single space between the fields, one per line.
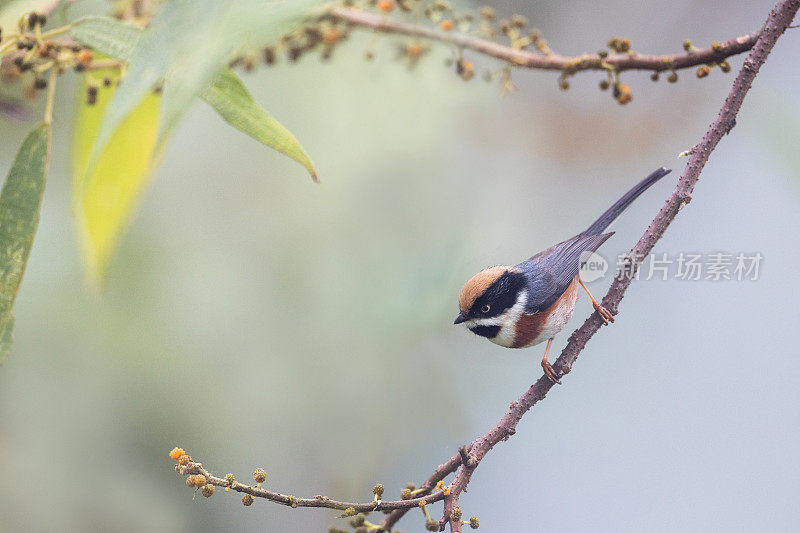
x=489 y=332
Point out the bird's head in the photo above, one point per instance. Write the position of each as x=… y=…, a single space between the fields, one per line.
x=492 y=301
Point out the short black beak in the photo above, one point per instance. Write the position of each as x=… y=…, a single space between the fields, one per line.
x=462 y=317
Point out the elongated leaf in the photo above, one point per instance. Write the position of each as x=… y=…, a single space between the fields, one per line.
x=226 y=93
x=230 y=98
x=105 y=196
x=20 y=201
x=108 y=36
x=186 y=45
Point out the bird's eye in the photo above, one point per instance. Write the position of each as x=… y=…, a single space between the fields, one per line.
x=485 y=308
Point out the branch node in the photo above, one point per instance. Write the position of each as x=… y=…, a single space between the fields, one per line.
x=467 y=459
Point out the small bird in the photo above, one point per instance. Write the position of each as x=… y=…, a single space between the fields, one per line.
x=529 y=303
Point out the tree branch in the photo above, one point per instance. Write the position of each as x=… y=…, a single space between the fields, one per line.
x=529 y=59
x=468 y=458
x=777 y=22
x=194 y=468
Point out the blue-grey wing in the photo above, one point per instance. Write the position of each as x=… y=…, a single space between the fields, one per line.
x=551 y=271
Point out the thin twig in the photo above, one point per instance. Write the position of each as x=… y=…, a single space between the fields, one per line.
x=534 y=60
x=51 y=92
x=317 y=501
x=104 y=64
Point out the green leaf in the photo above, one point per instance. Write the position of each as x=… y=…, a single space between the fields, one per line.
x=226 y=93
x=105 y=196
x=187 y=44
x=108 y=36
x=230 y=98
x=20 y=202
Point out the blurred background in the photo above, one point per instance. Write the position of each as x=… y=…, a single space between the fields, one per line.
x=259 y=320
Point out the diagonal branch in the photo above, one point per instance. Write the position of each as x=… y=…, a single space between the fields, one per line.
x=529 y=59
x=777 y=22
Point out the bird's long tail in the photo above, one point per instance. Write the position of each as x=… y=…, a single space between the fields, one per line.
x=627 y=199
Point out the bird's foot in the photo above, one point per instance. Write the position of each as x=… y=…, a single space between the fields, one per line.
x=550 y=372
x=604 y=313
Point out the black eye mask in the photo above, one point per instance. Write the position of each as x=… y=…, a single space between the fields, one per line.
x=500 y=296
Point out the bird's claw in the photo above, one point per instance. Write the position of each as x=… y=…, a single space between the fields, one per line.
x=604 y=313
x=550 y=372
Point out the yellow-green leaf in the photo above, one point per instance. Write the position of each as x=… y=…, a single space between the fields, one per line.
x=186 y=45
x=226 y=93
x=105 y=200
x=231 y=99
x=20 y=202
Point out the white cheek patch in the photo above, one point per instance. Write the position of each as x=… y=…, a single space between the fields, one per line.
x=507 y=321
x=508 y=324
x=494 y=321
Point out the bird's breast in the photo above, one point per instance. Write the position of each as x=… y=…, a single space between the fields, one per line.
x=532 y=329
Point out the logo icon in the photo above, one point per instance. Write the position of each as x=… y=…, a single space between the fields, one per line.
x=593 y=266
